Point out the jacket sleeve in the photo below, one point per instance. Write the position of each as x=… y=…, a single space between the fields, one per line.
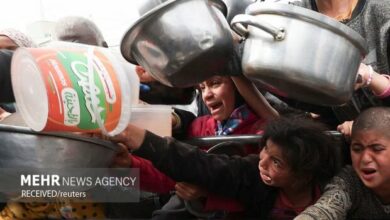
x=234 y=177
x=334 y=203
x=149 y=176
x=6 y=93
x=215 y=203
x=186 y=118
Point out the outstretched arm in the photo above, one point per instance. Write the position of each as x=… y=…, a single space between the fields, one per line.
x=229 y=176
x=378 y=83
x=254 y=98
x=334 y=203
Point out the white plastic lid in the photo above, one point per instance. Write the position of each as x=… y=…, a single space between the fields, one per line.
x=29 y=90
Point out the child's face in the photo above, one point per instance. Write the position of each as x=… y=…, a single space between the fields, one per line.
x=218 y=95
x=370 y=152
x=274 y=170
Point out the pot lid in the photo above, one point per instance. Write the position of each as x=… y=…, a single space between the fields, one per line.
x=128 y=38
x=310 y=16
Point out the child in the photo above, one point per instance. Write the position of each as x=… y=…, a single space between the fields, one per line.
x=229 y=114
x=296 y=160
x=361 y=192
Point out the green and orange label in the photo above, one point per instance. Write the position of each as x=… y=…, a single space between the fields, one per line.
x=70 y=89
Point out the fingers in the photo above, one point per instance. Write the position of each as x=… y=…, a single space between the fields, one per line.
x=143 y=75
x=345 y=128
x=183 y=192
x=188 y=191
x=132 y=137
x=120 y=138
x=362 y=77
x=122 y=159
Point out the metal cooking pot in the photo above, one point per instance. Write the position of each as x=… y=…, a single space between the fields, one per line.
x=23 y=148
x=235 y=7
x=300 y=53
x=147 y=5
x=180 y=43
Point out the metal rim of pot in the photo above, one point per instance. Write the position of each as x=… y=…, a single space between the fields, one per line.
x=25 y=130
x=279 y=33
x=236 y=7
x=125 y=49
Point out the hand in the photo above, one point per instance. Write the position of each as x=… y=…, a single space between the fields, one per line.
x=132 y=137
x=363 y=76
x=122 y=159
x=345 y=128
x=188 y=191
x=144 y=76
x=3 y=114
x=176 y=122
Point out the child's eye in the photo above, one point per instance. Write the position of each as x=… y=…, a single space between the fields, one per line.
x=356 y=148
x=276 y=162
x=215 y=82
x=377 y=148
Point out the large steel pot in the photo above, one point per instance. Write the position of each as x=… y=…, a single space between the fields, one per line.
x=23 y=148
x=25 y=151
x=180 y=43
x=300 y=53
x=147 y=5
x=235 y=7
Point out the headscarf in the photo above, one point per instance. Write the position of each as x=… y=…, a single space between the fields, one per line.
x=20 y=39
x=80 y=30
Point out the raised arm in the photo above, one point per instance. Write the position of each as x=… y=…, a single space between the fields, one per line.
x=378 y=83
x=254 y=98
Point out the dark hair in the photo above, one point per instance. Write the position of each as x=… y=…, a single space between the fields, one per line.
x=311 y=153
x=377 y=118
x=238 y=99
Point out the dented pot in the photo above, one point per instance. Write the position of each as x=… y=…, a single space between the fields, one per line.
x=180 y=43
x=299 y=53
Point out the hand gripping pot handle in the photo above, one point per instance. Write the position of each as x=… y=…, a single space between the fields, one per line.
x=238 y=21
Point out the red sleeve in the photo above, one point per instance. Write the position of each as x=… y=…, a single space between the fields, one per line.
x=151 y=179
x=202 y=126
x=214 y=203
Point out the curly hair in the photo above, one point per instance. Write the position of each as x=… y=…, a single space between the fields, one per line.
x=311 y=153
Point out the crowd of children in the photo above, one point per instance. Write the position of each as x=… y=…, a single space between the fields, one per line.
x=296 y=171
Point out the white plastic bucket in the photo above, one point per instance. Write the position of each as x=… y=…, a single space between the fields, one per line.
x=154 y=118
x=81 y=89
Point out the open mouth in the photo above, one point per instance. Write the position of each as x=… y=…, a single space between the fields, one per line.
x=368 y=173
x=214 y=106
x=265 y=177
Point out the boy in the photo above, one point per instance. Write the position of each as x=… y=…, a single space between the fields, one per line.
x=361 y=191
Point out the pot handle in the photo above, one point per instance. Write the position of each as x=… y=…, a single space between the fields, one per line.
x=238 y=21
